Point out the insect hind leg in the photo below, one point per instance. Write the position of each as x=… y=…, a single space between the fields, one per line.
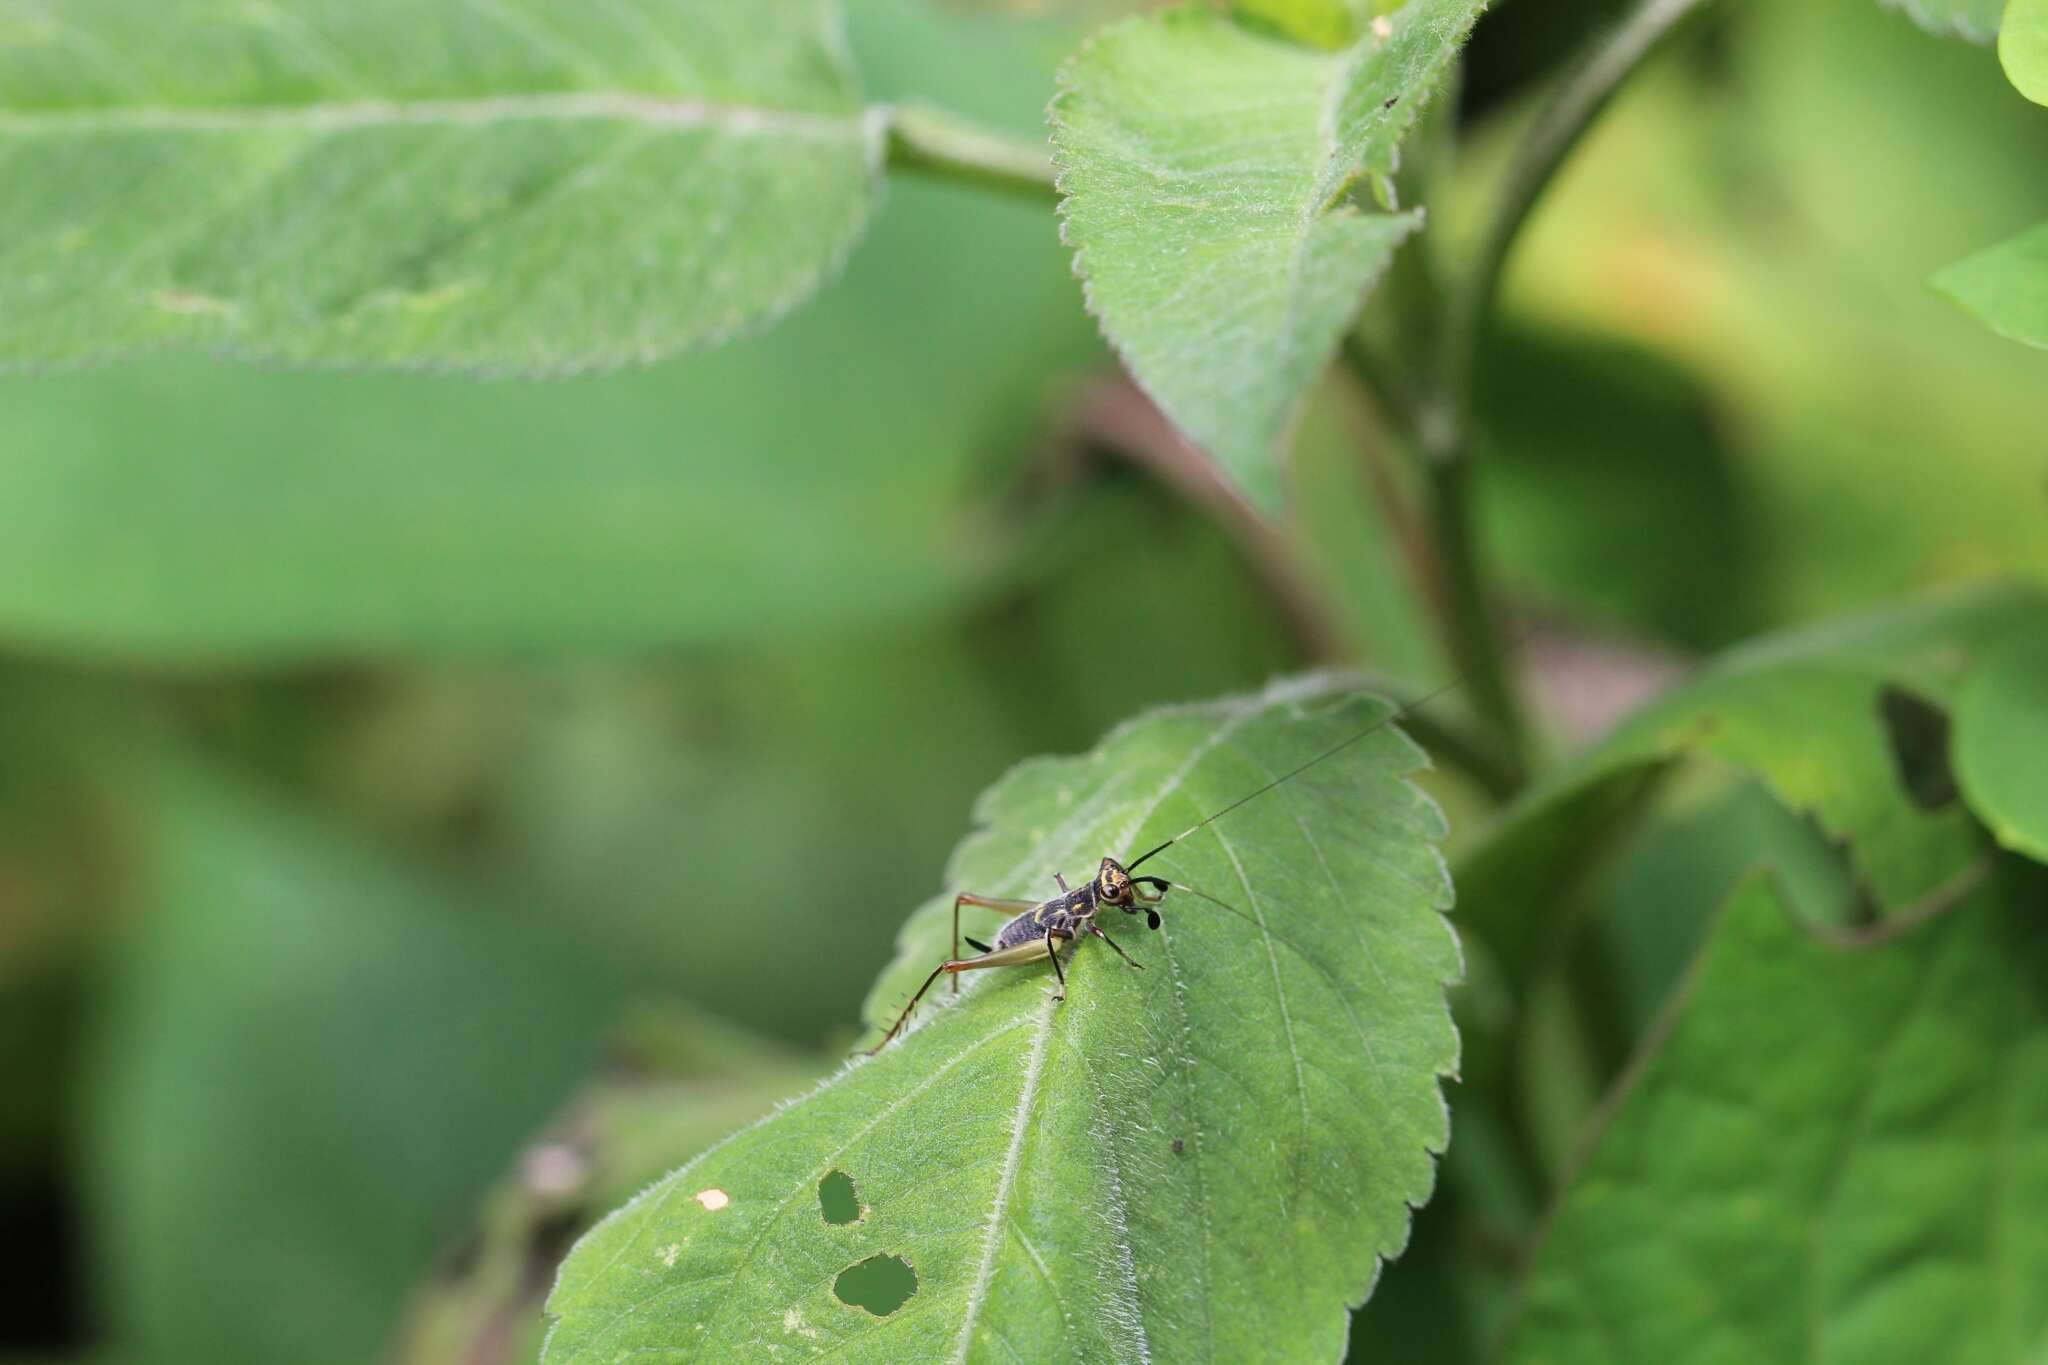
x=1006 y=903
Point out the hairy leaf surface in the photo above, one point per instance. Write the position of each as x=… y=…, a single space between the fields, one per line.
x=1209 y=170
x=1203 y=1160
x=184 y=510
x=1836 y=1154
x=492 y=184
x=2005 y=286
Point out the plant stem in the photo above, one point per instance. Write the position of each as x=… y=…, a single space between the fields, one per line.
x=1439 y=417
x=1612 y=56
x=923 y=137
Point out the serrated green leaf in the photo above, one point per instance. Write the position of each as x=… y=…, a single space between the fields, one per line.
x=1976 y=20
x=2005 y=286
x=1818 y=716
x=512 y=186
x=177 y=509
x=1203 y=1160
x=1208 y=172
x=2001 y=742
x=2023 y=47
x=1836 y=1154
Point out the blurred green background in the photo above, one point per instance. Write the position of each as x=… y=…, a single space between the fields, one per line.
x=382 y=758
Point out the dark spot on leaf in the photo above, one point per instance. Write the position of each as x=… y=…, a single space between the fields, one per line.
x=838 y=1198
x=880 y=1284
x=1178 y=1145
x=1392 y=100
x=1918 y=731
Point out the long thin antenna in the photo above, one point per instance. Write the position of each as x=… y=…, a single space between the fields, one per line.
x=1331 y=752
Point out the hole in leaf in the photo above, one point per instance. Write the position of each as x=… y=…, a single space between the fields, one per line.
x=880 y=1284
x=1919 y=737
x=838 y=1198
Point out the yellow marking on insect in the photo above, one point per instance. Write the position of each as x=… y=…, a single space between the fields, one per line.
x=713 y=1200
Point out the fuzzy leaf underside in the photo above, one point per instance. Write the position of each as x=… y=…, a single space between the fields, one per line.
x=1203 y=1160
x=1207 y=170
x=498 y=185
x=1836 y=1154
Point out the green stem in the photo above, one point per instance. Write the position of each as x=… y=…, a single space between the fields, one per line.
x=925 y=138
x=1440 y=417
x=1608 y=61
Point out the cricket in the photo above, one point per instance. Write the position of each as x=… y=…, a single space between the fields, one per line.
x=1043 y=929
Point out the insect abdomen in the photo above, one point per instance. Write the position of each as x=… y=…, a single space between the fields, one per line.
x=1034 y=924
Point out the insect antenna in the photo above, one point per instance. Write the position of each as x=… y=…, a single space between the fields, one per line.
x=1388 y=719
x=1164 y=886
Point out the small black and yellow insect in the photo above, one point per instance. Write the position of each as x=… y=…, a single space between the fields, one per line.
x=1040 y=929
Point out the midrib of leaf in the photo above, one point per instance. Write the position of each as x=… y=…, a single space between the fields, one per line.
x=1237 y=715
x=346 y=115
x=977 y=1293
x=177 y=156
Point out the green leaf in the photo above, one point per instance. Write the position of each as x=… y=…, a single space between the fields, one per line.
x=1325 y=23
x=2005 y=286
x=1205 y=1159
x=2001 y=738
x=1976 y=20
x=517 y=185
x=182 y=510
x=1835 y=1154
x=1208 y=173
x=1843 y=722
x=2023 y=47
x=316 y=1060
x=687 y=1080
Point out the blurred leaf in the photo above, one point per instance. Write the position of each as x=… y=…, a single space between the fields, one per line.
x=1036 y=1192
x=2001 y=740
x=1711 y=830
x=1805 y=713
x=316 y=1062
x=2005 y=285
x=1608 y=491
x=1976 y=20
x=1713 y=215
x=188 y=512
x=685 y=1080
x=2023 y=47
x=516 y=186
x=1835 y=1153
x=1208 y=173
x=1325 y=23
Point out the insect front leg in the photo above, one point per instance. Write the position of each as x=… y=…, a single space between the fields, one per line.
x=1096 y=930
x=989 y=902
